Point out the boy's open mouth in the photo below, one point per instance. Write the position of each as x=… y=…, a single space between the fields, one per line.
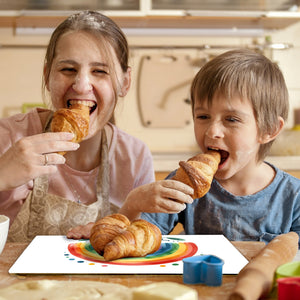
x=91 y=104
x=224 y=154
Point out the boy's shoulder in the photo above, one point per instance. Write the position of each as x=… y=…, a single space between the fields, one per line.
x=284 y=175
x=284 y=184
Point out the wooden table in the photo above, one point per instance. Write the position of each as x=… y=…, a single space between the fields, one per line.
x=13 y=250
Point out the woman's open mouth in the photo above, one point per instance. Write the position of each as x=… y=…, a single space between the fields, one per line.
x=91 y=104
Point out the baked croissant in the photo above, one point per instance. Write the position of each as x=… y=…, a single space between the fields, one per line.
x=139 y=239
x=198 y=172
x=75 y=120
x=107 y=228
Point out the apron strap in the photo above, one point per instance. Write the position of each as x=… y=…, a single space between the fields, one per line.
x=103 y=179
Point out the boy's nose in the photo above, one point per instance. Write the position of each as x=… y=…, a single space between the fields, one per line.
x=82 y=84
x=215 y=130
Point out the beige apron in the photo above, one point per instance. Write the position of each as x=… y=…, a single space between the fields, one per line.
x=48 y=214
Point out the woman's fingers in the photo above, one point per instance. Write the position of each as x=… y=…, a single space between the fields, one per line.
x=49 y=142
x=81 y=231
x=33 y=156
x=48 y=159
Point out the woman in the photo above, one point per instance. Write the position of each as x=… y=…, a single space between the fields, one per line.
x=44 y=192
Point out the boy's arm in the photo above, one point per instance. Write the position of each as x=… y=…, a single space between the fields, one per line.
x=165 y=222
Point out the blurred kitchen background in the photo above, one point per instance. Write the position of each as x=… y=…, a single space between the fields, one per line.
x=170 y=40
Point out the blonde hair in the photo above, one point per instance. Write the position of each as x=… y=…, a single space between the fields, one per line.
x=106 y=30
x=251 y=76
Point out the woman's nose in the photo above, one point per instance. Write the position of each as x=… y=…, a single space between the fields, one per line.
x=215 y=130
x=82 y=84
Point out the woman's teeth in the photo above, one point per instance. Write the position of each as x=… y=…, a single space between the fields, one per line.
x=92 y=105
x=83 y=102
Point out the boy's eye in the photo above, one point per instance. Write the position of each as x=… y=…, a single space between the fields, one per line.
x=232 y=119
x=101 y=71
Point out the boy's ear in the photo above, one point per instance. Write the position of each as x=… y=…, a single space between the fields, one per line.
x=267 y=137
x=126 y=83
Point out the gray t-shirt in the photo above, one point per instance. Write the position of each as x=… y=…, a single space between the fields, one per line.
x=258 y=217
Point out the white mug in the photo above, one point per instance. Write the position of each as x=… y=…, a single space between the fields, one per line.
x=4 y=226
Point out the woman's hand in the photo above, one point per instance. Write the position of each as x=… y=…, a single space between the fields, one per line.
x=33 y=156
x=165 y=196
x=80 y=232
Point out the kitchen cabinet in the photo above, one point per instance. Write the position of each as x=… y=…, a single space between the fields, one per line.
x=259 y=14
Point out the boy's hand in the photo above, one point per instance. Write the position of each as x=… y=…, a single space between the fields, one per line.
x=165 y=196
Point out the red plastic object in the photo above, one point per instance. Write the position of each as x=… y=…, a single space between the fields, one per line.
x=288 y=288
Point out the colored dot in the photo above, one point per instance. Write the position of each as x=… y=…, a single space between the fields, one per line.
x=71 y=258
x=175 y=264
x=162 y=266
x=91 y=264
x=80 y=261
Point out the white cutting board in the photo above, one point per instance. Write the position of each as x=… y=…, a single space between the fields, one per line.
x=59 y=255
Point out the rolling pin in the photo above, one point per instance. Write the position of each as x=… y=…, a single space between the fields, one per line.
x=255 y=280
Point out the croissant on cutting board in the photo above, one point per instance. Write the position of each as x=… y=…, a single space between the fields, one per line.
x=198 y=172
x=107 y=228
x=75 y=120
x=115 y=237
x=139 y=239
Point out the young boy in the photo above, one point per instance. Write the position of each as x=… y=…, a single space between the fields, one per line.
x=239 y=104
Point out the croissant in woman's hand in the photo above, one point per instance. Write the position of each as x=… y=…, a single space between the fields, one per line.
x=198 y=172
x=75 y=120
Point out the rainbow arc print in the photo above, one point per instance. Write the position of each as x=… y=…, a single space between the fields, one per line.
x=171 y=250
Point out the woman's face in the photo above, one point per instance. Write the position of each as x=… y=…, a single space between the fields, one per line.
x=80 y=73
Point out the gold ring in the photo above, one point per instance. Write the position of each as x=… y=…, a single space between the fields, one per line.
x=46 y=159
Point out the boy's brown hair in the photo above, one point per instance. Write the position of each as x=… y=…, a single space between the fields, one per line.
x=251 y=76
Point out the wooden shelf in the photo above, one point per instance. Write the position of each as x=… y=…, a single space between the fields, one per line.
x=206 y=21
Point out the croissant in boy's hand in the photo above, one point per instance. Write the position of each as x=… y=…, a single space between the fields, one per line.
x=198 y=172
x=75 y=120
x=114 y=237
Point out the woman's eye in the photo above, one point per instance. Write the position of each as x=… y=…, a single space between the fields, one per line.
x=202 y=117
x=68 y=70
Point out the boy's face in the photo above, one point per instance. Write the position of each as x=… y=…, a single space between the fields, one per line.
x=230 y=127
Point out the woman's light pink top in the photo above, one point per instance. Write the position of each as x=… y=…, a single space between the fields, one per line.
x=129 y=158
